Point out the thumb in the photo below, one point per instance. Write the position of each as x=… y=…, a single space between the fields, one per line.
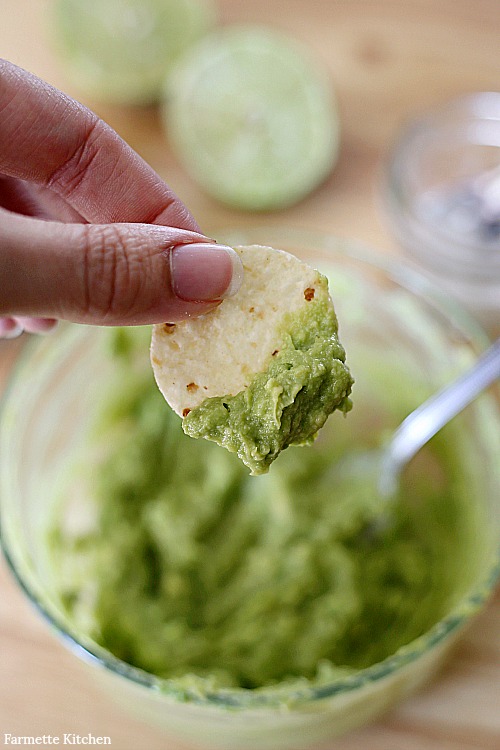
x=111 y=274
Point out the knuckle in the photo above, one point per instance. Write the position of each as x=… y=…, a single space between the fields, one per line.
x=111 y=273
x=69 y=176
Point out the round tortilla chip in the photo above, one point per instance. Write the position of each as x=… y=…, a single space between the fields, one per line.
x=219 y=353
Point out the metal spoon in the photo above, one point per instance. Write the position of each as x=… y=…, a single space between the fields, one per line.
x=383 y=467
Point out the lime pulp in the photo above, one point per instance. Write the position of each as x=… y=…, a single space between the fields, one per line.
x=252 y=118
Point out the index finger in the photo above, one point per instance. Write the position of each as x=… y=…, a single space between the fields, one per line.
x=48 y=138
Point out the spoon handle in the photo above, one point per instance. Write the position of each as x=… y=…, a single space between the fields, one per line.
x=433 y=414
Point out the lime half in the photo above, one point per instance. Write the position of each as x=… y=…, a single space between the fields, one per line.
x=122 y=50
x=252 y=117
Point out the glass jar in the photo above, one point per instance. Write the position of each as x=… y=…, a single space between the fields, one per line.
x=404 y=340
x=442 y=189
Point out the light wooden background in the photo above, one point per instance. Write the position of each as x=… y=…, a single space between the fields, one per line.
x=388 y=60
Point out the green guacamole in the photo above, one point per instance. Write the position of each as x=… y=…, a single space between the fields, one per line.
x=189 y=568
x=287 y=404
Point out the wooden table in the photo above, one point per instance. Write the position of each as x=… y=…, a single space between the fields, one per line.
x=388 y=60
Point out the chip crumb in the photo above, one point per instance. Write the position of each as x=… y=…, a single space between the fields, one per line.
x=185 y=412
x=168 y=327
x=192 y=387
x=309 y=293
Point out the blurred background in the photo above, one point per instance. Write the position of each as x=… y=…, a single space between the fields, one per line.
x=388 y=61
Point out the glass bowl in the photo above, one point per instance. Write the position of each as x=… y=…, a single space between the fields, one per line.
x=404 y=340
x=443 y=196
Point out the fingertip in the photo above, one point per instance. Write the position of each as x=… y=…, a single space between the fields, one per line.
x=205 y=272
x=10 y=328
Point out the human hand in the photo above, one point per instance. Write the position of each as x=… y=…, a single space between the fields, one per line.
x=88 y=231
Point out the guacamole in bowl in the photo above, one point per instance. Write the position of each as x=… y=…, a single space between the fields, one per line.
x=270 y=611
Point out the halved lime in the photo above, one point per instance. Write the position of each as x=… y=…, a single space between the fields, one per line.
x=252 y=117
x=122 y=50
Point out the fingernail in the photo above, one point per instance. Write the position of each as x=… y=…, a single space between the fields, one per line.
x=205 y=272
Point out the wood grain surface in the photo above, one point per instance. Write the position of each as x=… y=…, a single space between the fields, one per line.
x=388 y=60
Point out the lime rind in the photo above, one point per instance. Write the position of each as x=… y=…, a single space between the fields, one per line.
x=253 y=118
x=122 y=50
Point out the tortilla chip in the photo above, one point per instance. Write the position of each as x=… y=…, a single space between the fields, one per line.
x=220 y=354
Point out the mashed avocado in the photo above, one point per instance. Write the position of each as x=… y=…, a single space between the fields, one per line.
x=287 y=404
x=189 y=568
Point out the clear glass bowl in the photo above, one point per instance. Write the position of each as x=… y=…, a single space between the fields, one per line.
x=443 y=196
x=394 y=325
